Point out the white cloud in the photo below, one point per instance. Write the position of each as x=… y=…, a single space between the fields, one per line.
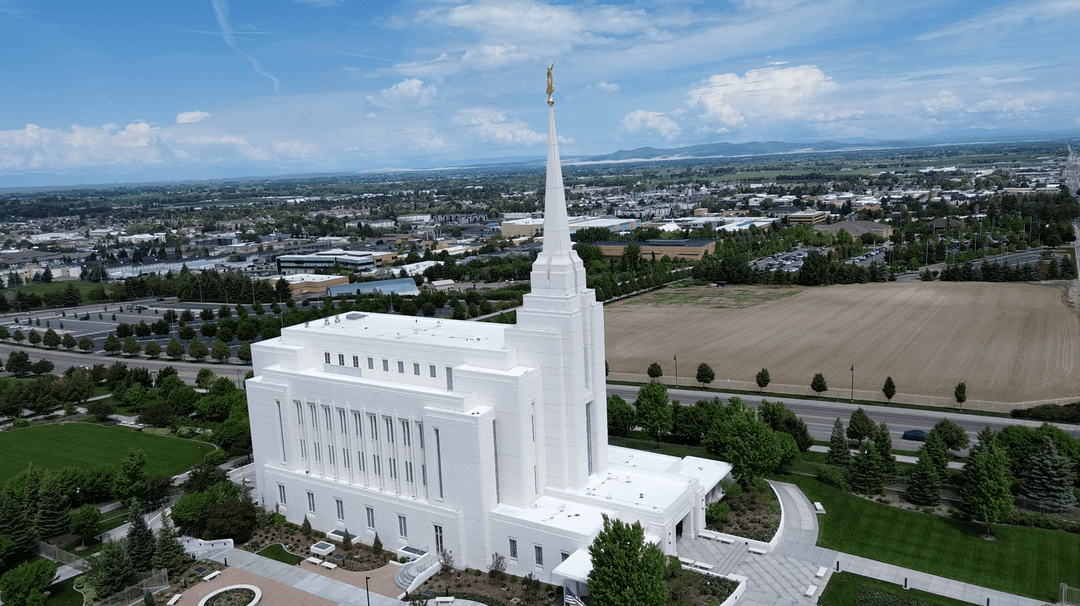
x=774 y=93
x=490 y=125
x=605 y=87
x=645 y=120
x=945 y=101
x=191 y=117
x=221 y=12
x=1014 y=15
x=411 y=91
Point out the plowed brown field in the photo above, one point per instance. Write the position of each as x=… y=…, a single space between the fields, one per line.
x=1008 y=342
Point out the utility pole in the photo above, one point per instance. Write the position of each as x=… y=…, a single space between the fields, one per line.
x=852 y=383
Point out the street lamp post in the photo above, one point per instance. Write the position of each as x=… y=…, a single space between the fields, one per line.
x=852 y=383
x=676 y=370
x=368 y=590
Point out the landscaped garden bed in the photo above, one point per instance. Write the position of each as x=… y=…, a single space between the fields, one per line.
x=284 y=541
x=849 y=589
x=753 y=514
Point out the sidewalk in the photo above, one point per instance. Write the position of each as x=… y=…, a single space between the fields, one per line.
x=783 y=576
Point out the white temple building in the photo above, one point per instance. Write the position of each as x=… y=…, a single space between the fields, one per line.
x=469 y=437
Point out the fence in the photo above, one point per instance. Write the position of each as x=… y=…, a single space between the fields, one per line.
x=152 y=581
x=858 y=394
x=1070 y=596
x=59 y=555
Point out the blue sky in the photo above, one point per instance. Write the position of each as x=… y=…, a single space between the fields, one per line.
x=97 y=92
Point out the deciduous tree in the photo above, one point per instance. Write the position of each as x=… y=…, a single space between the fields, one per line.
x=653 y=410
x=889 y=389
x=51 y=339
x=818 y=384
x=859 y=426
x=620 y=416
x=705 y=374
x=626 y=570
x=655 y=372
x=951 y=434
x=26 y=583
x=762 y=379
x=987 y=491
x=960 y=393
x=83 y=522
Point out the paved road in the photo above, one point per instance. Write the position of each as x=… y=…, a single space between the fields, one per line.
x=820 y=416
x=63 y=359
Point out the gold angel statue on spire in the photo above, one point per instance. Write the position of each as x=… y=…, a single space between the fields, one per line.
x=551 y=84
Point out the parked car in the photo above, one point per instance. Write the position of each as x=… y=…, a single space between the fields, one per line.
x=917 y=435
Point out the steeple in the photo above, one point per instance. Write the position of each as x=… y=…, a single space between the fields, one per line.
x=558 y=270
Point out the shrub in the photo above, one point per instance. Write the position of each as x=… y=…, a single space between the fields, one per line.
x=717 y=514
x=20 y=423
x=215 y=457
x=835 y=477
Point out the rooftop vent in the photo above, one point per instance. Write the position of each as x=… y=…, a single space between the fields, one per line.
x=354 y=316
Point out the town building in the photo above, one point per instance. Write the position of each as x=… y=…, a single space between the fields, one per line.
x=468 y=437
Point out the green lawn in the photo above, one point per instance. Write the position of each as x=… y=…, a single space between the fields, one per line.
x=1025 y=561
x=64 y=594
x=843 y=590
x=84 y=444
x=277 y=552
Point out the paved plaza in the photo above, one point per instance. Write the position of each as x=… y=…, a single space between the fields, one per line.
x=783 y=576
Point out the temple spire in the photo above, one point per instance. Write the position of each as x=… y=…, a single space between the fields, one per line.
x=558 y=269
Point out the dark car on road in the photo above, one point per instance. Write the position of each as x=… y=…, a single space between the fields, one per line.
x=917 y=435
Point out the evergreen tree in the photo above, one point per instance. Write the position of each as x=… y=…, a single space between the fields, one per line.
x=860 y=426
x=140 y=542
x=376 y=545
x=17 y=537
x=168 y=551
x=987 y=492
x=924 y=485
x=111 y=570
x=937 y=451
x=52 y=509
x=346 y=541
x=620 y=416
x=866 y=474
x=883 y=442
x=1048 y=479
x=839 y=454
x=627 y=570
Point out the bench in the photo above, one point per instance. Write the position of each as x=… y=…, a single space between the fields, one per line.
x=703 y=565
x=818 y=507
x=314 y=560
x=444 y=599
x=810 y=591
x=687 y=561
x=726 y=540
x=757 y=551
x=211 y=576
x=328 y=565
x=175 y=599
x=821 y=572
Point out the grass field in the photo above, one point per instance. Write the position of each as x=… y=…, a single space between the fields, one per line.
x=277 y=552
x=83 y=444
x=1025 y=561
x=843 y=590
x=1008 y=342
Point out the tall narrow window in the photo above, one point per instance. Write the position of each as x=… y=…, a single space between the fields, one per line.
x=450 y=378
x=281 y=493
x=342 y=425
x=341 y=359
x=420 y=432
x=438 y=460
x=374 y=427
x=406 y=435
x=375 y=465
x=539 y=556
x=356 y=361
x=513 y=549
x=330 y=453
x=389 y=429
x=327 y=357
x=311 y=501
x=299 y=412
x=340 y=509
x=403 y=528
x=303 y=449
x=371 y=363
x=358 y=425
x=423 y=474
x=386 y=365
x=326 y=414
x=588 y=436
x=416 y=368
x=314 y=419
x=281 y=430
x=360 y=460
x=401 y=367
x=393 y=468
x=345 y=457
x=316 y=450
x=431 y=370
x=438 y=539
x=370 y=517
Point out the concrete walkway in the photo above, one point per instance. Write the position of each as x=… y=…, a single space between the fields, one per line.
x=783 y=576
